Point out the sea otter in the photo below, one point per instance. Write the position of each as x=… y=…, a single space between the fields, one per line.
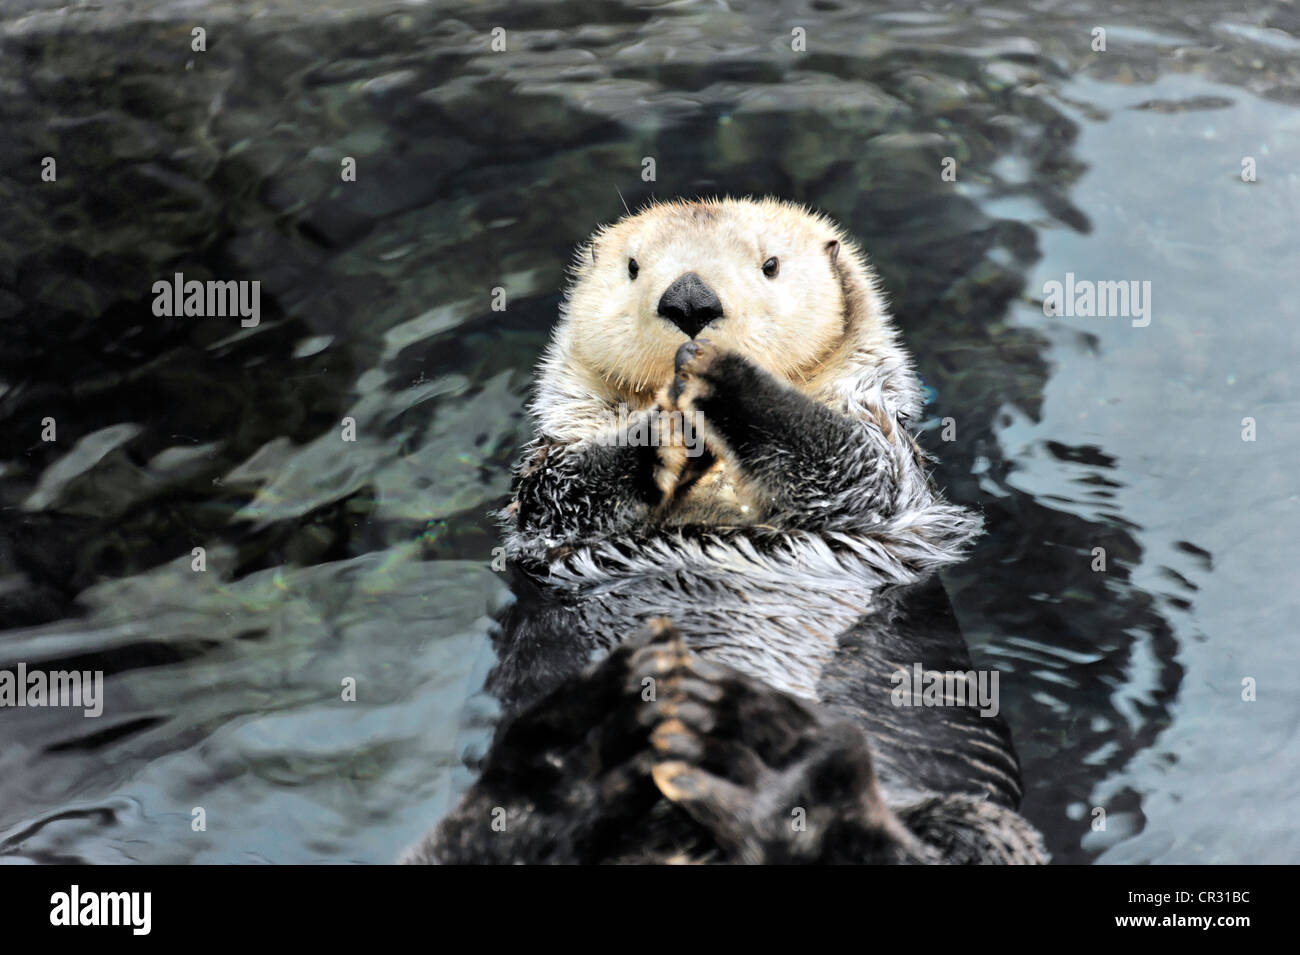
x=703 y=661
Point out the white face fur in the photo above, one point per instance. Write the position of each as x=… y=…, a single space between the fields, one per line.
x=787 y=317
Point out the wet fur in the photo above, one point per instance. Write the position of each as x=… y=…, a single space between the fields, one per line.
x=794 y=564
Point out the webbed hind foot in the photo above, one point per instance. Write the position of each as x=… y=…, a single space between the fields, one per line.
x=765 y=774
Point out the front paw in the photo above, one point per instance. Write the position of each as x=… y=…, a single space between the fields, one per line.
x=672 y=456
x=682 y=451
x=721 y=394
x=691 y=380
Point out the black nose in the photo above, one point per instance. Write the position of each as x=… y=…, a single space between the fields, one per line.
x=690 y=304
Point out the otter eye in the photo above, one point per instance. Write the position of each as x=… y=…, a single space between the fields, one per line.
x=632 y=268
x=771 y=267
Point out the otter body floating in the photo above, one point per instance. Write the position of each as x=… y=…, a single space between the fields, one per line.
x=751 y=604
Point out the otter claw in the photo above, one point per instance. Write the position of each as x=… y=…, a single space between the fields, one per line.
x=684 y=354
x=687 y=353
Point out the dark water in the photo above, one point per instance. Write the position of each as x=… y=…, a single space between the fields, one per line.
x=370 y=560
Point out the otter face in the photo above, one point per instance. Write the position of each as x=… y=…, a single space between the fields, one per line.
x=762 y=278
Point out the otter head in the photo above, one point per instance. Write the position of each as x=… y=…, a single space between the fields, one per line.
x=765 y=278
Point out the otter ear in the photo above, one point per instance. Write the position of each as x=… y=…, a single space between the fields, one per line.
x=833 y=247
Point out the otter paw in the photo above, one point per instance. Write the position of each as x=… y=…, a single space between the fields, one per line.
x=685 y=452
x=671 y=453
x=690 y=373
x=720 y=745
x=763 y=773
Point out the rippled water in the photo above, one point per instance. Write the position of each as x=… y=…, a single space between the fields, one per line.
x=371 y=559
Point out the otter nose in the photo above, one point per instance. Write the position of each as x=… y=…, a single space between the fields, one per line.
x=690 y=304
